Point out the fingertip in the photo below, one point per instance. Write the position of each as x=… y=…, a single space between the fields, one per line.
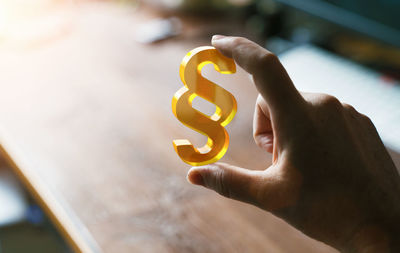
x=217 y=37
x=194 y=177
x=220 y=42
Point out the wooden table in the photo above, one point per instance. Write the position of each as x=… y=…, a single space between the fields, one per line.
x=86 y=122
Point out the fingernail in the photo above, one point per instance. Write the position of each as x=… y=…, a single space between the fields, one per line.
x=194 y=177
x=217 y=37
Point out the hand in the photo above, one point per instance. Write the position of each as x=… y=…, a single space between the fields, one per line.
x=331 y=177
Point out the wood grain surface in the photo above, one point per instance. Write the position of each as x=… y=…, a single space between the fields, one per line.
x=89 y=115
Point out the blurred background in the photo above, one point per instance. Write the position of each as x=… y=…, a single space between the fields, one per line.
x=355 y=42
x=23 y=225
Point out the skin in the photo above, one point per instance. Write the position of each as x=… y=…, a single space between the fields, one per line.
x=331 y=176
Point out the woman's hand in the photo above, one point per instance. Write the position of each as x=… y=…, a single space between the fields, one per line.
x=331 y=176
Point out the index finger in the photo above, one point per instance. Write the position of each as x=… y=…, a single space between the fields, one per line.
x=270 y=77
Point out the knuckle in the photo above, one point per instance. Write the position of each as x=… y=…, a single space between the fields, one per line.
x=366 y=119
x=222 y=182
x=349 y=107
x=268 y=59
x=351 y=110
x=237 y=41
x=263 y=140
x=331 y=103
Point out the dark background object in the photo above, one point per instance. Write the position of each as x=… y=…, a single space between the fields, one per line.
x=375 y=18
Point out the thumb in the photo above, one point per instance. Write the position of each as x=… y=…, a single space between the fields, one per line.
x=230 y=181
x=271 y=189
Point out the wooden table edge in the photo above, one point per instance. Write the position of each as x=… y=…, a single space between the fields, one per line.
x=64 y=219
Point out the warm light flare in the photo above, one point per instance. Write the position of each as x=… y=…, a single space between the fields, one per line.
x=28 y=20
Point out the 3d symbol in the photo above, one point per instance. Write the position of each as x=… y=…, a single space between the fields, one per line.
x=211 y=126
